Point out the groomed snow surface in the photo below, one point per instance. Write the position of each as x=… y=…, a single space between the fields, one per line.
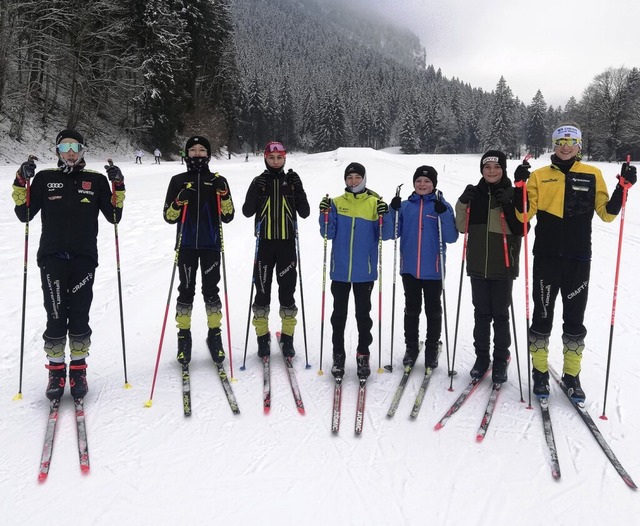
x=153 y=466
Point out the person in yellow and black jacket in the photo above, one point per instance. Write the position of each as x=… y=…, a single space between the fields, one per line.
x=200 y=244
x=354 y=231
x=563 y=197
x=275 y=198
x=492 y=217
x=69 y=199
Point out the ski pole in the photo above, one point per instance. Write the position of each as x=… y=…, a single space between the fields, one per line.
x=444 y=294
x=507 y=264
x=18 y=395
x=395 y=268
x=380 y=369
x=253 y=284
x=455 y=332
x=324 y=283
x=525 y=228
x=625 y=188
x=224 y=283
x=304 y=323
x=166 y=312
x=127 y=385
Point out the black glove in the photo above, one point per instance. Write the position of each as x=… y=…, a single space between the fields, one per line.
x=28 y=169
x=220 y=185
x=261 y=181
x=439 y=206
x=325 y=204
x=522 y=173
x=293 y=179
x=185 y=194
x=469 y=194
x=396 y=202
x=382 y=207
x=114 y=174
x=628 y=173
x=502 y=197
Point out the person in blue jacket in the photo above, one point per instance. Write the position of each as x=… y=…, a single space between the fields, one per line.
x=426 y=223
x=353 y=227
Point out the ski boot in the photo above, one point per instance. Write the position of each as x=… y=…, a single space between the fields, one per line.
x=364 y=369
x=264 y=345
x=78 y=379
x=57 y=380
x=214 y=342
x=184 y=346
x=286 y=345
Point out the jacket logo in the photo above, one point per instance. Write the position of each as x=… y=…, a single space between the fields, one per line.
x=53 y=186
x=85 y=200
x=86 y=185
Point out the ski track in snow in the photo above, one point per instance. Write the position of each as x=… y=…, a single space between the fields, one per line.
x=154 y=466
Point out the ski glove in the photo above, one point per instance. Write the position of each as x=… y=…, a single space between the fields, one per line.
x=628 y=173
x=382 y=207
x=396 y=203
x=439 y=206
x=325 y=204
x=293 y=179
x=114 y=174
x=183 y=196
x=220 y=186
x=522 y=173
x=502 y=197
x=468 y=195
x=28 y=169
x=261 y=181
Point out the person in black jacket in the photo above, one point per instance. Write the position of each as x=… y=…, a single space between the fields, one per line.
x=69 y=199
x=197 y=189
x=275 y=198
x=492 y=217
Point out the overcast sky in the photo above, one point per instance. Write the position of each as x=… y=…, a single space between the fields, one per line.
x=557 y=47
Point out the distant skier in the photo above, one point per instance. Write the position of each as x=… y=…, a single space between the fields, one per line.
x=275 y=198
x=564 y=196
x=139 y=155
x=197 y=189
x=70 y=199
x=157 y=154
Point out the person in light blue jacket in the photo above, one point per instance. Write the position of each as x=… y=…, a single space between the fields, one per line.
x=352 y=223
x=426 y=223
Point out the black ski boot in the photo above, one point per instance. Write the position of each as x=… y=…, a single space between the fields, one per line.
x=286 y=345
x=499 y=372
x=431 y=355
x=184 y=346
x=480 y=367
x=78 y=379
x=57 y=380
x=364 y=369
x=572 y=383
x=264 y=345
x=337 y=370
x=214 y=342
x=411 y=355
x=540 y=383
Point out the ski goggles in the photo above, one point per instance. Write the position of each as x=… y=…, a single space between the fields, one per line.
x=566 y=141
x=64 y=147
x=274 y=147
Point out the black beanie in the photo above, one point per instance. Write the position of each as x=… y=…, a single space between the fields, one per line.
x=197 y=139
x=495 y=156
x=354 y=168
x=70 y=134
x=426 y=171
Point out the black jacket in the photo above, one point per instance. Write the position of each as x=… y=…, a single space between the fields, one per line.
x=69 y=204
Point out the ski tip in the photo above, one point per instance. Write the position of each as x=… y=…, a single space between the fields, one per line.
x=267 y=410
x=18 y=396
x=629 y=482
x=127 y=385
x=42 y=477
x=301 y=411
x=555 y=474
x=148 y=403
x=438 y=426
x=320 y=372
x=85 y=469
x=479 y=438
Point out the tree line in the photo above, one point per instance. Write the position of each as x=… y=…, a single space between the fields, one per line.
x=244 y=72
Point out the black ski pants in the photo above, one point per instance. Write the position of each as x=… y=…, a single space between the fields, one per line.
x=414 y=292
x=362 y=296
x=491 y=301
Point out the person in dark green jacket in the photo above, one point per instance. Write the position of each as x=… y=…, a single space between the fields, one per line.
x=492 y=265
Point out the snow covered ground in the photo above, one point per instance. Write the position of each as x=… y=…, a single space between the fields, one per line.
x=154 y=466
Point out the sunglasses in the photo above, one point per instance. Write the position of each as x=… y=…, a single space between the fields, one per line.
x=64 y=147
x=566 y=142
x=275 y=147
